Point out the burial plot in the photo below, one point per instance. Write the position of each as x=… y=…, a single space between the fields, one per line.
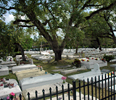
x=89 y=63
x=46 y=88
x=4 y=70
x=8 y=63
x=7 y=86
x=72 y=70
x=29 y=73
x=23 y=67
x=30 y=82
x=95 y=71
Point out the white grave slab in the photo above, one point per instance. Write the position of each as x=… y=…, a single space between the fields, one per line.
x=46 y=88
x=77 y=97
x=29 y=73
x=30 y=82
x=7 y=63
x=5 y=91
x=72 y=70
x=4 y=70
x=82 y=76
x=19 y=57
x=45 y=58
x=9 y=58
x=90 y=64
x=23 y=67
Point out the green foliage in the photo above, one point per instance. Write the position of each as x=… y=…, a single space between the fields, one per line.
x=77 y=63
x=47 y=16
x=26 y=42
x=6 y=42
x=108 y=57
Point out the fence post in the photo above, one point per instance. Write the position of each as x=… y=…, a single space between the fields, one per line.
x=92 y=86
x=114 y=86
x=88 y=87
x=50 y=89
x=84 y=88
x=20 y=96
x=68 y=92
x=36 y=94
x=74 y=90
x=63 y=91
x=57 y=92
x=28 y=95
x=79 y=90
x=111 y=85
x=43 y=94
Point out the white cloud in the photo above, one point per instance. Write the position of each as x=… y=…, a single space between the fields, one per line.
x=93 y=9
x=8 y=17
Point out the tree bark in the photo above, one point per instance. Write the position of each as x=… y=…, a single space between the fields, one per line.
x=58 y=54
x=22 y=51
x=98 y=43
x=76 y=49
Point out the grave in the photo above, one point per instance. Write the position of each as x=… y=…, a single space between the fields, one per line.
x=9 y=86
x=46 y=88
x=72 y=70
x=105 y=71
x=87 y=76
x=95 y=71
x=30 y=82
x=23 y=67
x=90 y=64
x=64 y=66
x=29 y=73
x=7 y=63
x=4 y=70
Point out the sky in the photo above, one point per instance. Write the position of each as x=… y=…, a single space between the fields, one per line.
x=10 y=17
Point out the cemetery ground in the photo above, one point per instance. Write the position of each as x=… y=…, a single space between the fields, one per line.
x=49 y=67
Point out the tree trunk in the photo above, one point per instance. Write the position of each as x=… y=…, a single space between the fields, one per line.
x=114 y=38
x=22 y=51
x=76 y=49
x=58 y=54
x=98 y=43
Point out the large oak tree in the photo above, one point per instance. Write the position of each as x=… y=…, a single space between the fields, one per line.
x=47 y=16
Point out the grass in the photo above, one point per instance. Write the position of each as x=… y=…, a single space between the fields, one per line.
x=51 y=66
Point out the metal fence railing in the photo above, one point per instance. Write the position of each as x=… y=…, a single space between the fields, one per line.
x=96 y=87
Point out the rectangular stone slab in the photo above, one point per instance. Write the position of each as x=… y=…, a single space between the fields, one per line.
x=4 y=70
x=6 y=91
x=30 y=82
x=23 y=67
x=46 y=88
x=29 y=73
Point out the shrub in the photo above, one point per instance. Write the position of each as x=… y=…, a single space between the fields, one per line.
x=108 y=57
x=77 y=63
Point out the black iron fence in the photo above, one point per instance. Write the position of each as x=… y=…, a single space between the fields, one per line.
x=97 y=88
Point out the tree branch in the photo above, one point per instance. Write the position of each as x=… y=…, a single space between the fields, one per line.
x=101 y=9
x=92 y=5
x=21 y=20
x=26 y=25
x=85 y=4
x=10 y=8
x=47 y=21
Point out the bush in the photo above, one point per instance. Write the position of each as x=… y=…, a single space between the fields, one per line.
x=77 y=63
x=108 y=57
